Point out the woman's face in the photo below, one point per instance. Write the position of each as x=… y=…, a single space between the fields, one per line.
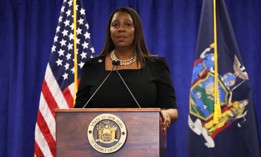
x=122 y=30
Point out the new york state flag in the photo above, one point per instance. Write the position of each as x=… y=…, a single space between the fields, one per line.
x=235 y=133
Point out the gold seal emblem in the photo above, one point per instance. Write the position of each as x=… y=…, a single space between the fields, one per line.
x=107 y=133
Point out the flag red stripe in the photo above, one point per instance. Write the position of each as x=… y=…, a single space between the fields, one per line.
x=46 y=132
x=49 y=98
x=68 y=97
x=37 y=150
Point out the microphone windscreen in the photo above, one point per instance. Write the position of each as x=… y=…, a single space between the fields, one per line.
x=115 y=62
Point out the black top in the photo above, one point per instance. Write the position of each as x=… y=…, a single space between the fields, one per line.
x=150 y=85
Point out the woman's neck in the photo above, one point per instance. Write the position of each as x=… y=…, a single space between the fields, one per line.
x=124 y=54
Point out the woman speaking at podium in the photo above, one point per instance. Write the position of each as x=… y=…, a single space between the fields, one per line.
x=125 y=74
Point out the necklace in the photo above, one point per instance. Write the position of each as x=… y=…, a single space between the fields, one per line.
x=123 y=62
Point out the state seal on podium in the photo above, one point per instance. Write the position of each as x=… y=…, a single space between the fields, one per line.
x=107 y=133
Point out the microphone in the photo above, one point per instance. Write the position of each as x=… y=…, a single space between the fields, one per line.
x=114 y=63
x=117 y=63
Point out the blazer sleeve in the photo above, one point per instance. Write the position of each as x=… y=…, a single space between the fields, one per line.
x=166 y=92
x=83 y=93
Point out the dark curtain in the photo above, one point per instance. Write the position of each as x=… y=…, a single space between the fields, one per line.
x=27 y=28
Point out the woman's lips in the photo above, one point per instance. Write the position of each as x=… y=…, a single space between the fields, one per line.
x=122 y=37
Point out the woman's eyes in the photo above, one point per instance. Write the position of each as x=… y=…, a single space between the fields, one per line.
x=114 y=24
x=127 y=24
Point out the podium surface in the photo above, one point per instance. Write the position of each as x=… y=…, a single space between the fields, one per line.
x=144 y=135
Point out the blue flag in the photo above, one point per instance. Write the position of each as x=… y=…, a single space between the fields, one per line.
x=235 y=133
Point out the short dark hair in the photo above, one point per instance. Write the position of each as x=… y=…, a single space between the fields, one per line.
x=139 y=41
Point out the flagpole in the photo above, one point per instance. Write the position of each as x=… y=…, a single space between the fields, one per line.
x=217 y=110
x=75 y=50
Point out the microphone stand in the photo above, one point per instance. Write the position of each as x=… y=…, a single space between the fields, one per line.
x=99 y=86
x=117 y=63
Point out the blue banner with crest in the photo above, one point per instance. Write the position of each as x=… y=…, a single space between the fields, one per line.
x=235 y=133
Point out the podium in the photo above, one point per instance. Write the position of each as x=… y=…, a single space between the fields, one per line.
x=110 y=132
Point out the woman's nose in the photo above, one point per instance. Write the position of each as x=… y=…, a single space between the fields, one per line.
x=121 y=28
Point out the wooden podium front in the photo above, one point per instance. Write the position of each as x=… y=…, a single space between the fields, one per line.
x=145 y=137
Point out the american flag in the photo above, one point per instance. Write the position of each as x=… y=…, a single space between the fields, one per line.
x=58 y=85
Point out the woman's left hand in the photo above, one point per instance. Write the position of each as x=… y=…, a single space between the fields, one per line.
x=169 y=116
